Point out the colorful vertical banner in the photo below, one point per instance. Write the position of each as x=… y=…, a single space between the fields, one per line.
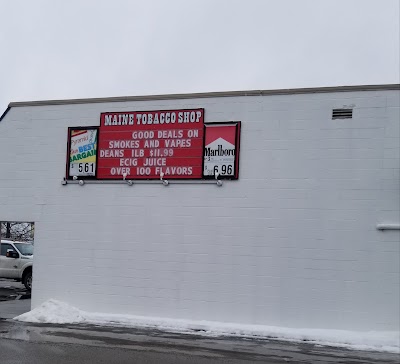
x=221 y=150
x=82 y=152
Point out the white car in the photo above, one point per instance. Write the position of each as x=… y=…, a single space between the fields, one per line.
x=16 y=260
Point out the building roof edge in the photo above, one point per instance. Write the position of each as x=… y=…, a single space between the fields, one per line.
x=289 y=91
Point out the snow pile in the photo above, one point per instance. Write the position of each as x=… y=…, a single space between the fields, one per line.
x=57 y=312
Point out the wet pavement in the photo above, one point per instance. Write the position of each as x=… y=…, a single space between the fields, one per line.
x=46 y=344
x=42 y=343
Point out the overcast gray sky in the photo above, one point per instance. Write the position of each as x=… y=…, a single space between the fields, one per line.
x=97 y=48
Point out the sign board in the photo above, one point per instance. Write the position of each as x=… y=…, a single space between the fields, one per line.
x=82 y=153
x=150 y=144
x=221 y=150
x=167 y=144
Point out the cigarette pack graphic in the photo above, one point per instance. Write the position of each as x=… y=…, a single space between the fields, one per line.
x=220 y=150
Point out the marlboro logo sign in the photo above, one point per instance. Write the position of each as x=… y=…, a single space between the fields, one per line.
x=221 y=150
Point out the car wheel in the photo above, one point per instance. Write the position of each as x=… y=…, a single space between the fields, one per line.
x=27 y=281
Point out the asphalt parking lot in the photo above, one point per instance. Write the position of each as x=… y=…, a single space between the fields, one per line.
x=14 y=299
x=12 y=290
x=25 y=343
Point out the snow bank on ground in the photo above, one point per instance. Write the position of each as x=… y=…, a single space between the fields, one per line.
x=57 y=312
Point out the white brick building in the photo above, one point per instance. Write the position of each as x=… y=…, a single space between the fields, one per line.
x=296 y=241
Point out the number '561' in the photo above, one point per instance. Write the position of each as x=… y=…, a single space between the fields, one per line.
x=85 y=167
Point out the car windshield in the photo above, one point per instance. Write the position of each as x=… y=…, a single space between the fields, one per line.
x=24 y=249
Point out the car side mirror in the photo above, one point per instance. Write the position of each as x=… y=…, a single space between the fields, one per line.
x=12 y=254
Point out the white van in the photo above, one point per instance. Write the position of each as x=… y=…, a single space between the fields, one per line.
x=16 y=260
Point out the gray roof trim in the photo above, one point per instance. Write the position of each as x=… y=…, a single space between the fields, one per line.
x=289 y=91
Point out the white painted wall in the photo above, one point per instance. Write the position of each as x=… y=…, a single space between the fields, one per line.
x=292 y=243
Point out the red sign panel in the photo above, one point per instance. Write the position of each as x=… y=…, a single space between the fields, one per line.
x=151 y=144
x=221 y=150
